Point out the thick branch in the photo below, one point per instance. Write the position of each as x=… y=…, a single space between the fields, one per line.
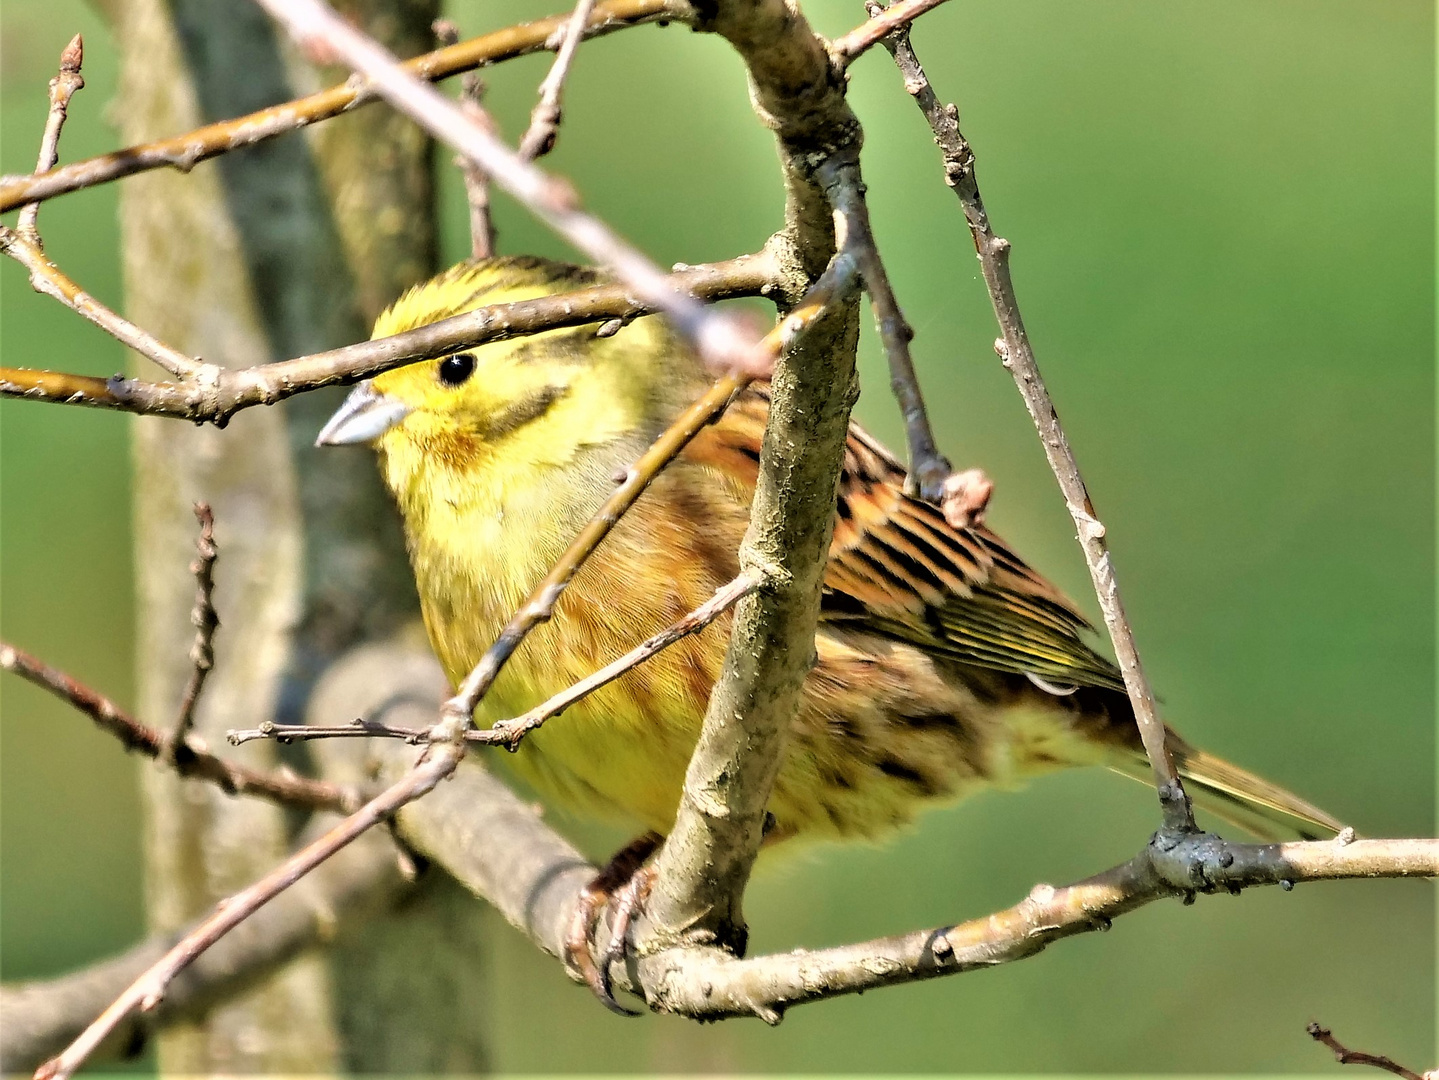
x=704 y=866
x=190 y=756
x=185 y=151
x=498 y=846
x=1015 y=352
x=799 y=95
x=221 y=392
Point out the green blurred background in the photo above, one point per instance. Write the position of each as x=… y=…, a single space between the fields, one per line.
x=1223 y=219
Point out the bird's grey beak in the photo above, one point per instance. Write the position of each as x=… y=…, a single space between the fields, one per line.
x=365 y=416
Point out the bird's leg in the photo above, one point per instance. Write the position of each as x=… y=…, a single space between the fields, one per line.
x=626 y=882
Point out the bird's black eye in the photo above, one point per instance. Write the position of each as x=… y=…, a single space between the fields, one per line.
x=456 y=369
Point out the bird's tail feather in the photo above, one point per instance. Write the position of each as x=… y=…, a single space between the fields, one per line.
x=1265 y=810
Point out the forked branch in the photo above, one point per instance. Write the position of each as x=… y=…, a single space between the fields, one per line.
x=190 y=756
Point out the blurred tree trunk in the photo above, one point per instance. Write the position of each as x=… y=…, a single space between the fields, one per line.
x=284 y=248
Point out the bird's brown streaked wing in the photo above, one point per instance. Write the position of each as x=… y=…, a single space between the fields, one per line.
x=898 y=568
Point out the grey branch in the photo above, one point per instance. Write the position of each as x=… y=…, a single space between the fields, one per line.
x=499 y=847
x=1018 y=357
x=702 y=870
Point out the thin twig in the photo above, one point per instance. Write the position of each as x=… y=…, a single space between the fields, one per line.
x=458 y=710
x=1015 y=352
x=47 y=278
x=477 y=184
x=204 y=620
x=725 y=341
x=1345 y=1056
x=928 y=468
x=147 y=991
x=185 y=151
x=191 y=758
x=62 y=88
x=510 y=733
x=359 y=728
x=221 y=392
x=847 y=47
x=544 y=127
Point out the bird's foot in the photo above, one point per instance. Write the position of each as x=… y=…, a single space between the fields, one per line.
x=622 y=887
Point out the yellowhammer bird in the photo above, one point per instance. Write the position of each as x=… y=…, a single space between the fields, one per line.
x=945 y=664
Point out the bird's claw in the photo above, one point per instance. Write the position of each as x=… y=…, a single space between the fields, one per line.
x=623 y=886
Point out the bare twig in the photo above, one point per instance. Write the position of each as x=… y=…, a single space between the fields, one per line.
x=218 y=393
x=205 y=621
x=62 y=88
x=477 y=184
x=847 y=47
x=190 y=757
x=509 y=733
x=184 y=151
x=148 y=990
x=544 y=127
x=928 y=468
x=1015 y=352
x=512 y=731
x=47 y=278
x=724 y=341
x=359 y=728
x=1345 y=1056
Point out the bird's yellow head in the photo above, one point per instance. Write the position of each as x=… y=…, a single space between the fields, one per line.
x=515 y=407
